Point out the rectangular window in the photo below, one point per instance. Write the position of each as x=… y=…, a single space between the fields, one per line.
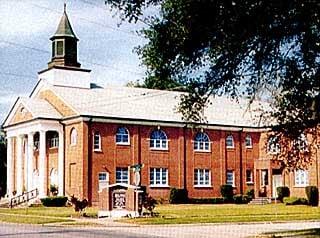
x=301 y=178
x=202 y=178
x=159 y=176
x=122 y=175
x=103 y=180
x=97 y=141
x=230 y=178
x=54 y=142
x=264 y=177
x=60 y=48
x=249 y=176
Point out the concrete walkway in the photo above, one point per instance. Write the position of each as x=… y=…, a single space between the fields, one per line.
x=211 y=230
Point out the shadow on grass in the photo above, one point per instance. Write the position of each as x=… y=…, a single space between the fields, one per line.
x=309 y=233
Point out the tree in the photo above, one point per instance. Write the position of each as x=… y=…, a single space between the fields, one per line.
x=253 y=48
x=3 y=168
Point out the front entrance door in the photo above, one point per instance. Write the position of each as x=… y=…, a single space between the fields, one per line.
x=276 y=182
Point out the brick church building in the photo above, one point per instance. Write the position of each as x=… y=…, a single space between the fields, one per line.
x=81 y=137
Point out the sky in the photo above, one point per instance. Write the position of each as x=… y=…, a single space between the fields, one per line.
x=105 y=44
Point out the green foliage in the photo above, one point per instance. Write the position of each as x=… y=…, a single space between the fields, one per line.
x=241 y=199
x=312 y=193
x=53 y=190
x=217 y=200
x=250 y=193
x=149 y=203
x=294 y=201
x=54 y=201
x=227 y=192
x=250 y=47
x=3 y=169
x=283 y=192
x=79 y=205
x=178 y=196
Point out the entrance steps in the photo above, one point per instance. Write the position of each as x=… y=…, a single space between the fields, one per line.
x=4 y=203
x=260 y=201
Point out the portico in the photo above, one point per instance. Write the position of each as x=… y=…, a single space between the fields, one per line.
x=28 y=155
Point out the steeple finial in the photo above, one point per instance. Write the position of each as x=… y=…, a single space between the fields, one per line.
x=64 y=7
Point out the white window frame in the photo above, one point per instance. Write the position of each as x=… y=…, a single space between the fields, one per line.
x=97 y=144
x=54 y=142
x=56 y=48
x=273 y=146
x=200 y=179
x=200 y=143
x=249 y=140
x=264 y=177
x=250 y=181
x=230 y=181
x=229 y=146
x=122 y=135
x=103 y=183
x=160 y=142
x=301 y=178
x=162 y=181
x=124 y=172
x=301 y=143
x=73 y=137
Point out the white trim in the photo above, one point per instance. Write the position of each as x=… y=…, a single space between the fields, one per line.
x=233 y=178
x=201 y=172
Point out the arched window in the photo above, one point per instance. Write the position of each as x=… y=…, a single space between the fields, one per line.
x=202 y=142
x=158 y=140
x=273 y=146
x=248 y=141
x=97 y=141
x=73 y=136
x=229 y=141
x=122 y=136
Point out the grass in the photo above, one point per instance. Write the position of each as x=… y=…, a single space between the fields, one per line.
x=186 y=214
x=42 y=215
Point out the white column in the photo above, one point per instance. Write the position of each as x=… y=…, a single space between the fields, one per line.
x=10 y=168
x=30 y=161
x=25 y=164
x=19 y=164
x=61 y=164
x=42 y=165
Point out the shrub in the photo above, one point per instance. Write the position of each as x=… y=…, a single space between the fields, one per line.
x=250 y=193
x=312 y=195
x=295 y=201
x=227 y=192
x=240 y=199
x=54 y=201
x=53 y=190
x=217 y=200
x=283 y=192
x=149 y=203
x=178 y=196
x=79 y=205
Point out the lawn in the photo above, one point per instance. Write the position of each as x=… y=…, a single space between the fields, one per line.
x=41 y=215
x=184 y=214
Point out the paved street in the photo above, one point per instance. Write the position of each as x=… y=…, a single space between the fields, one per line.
x=174 y=231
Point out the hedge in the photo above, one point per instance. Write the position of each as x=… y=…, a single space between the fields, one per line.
x=295 y=201
x=283 y=192
x=241 y=199
x=227 y=192
x=215 y=200
x=54 y=201
x=312 y=193
x=178 y=196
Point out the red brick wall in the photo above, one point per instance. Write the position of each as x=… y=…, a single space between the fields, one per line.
x=218 y=160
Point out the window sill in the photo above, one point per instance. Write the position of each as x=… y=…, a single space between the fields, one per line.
x=249 y=147
x=122 y=143
x=202 y=151
x=202 y=186
x=229 y=148
x=249 y=183
x=159 y=149
x=300 y=186
x=97 y=151
x=159 y=186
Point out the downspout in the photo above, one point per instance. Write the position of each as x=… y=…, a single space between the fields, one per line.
x=89 y=162
x=240 y=158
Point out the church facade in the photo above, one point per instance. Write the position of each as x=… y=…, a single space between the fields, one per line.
x=80 y=138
